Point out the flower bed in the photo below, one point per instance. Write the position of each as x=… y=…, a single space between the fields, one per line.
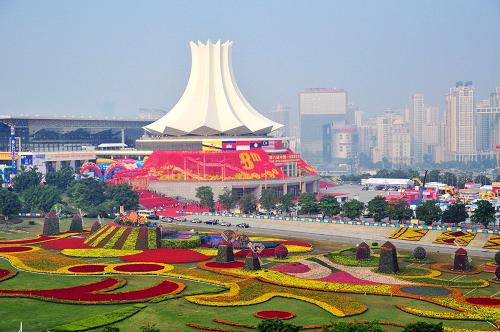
x=292 y=268
x=493 y=242
x=38 y=239
x=40 y=260
x=408 y=234
x=179 y=243
x=89 y=268
x=98 y=292
x=165 y=255
x=6 y=274
x=459 y=238
x=15 y=249
x=444 y=267
x=486 y=301
x=346 y=278
x=94 y=239
x=352 y=261
x=265 y=253
x=67 y=243
x=138 y=268
x=98 y=252
x=230 y=265
x=295 y=243
x=272 y=314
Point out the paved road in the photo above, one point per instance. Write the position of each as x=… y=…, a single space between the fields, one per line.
x=332 y=232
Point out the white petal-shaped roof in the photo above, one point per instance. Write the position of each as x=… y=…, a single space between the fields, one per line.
x=212 y=103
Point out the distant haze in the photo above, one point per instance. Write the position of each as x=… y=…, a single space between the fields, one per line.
x=114 y=57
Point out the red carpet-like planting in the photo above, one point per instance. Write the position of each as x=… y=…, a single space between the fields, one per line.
x=296 y=243
x=165 y=255
x=15 y=249
x=138 y=268
x=39 y=238
x=272 y=314
x=87 y=268
x=67 y=243
x=230 y=265
x=98 y=292
x=6 y=274
x=265 y=253
x=292 y=268
x=346 y=278
x=488 y=301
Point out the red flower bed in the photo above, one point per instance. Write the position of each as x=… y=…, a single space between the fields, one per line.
x=265 y=253
x=67 y=243
x=98 y=292
x=488 y=301
x=165 y=255
x=292 y=268
x=271 y=314
x=296 y=243
x=6 y=274
x=231 y=265
x=346 y=278
x=15 y=249
x=39 y=238
x=138 y=267
x=87 y=268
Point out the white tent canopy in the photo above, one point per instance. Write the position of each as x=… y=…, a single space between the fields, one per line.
x=212 y=103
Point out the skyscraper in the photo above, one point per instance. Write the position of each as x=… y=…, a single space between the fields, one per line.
x=416 y=126
x=281 y=114
x=461 y=121
x=319 y=108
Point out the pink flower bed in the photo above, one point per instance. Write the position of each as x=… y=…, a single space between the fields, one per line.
x=165 y=255
x=271 y=314
x=265 y=253
x=67 y=243
x=296 y=243
x=292 y=268
x=15 y=249
x=346 y=278
x=138 y=268
x=487 y=301
x=230 y=265
x=487 y=268
x=5 y=274
x=87 y=268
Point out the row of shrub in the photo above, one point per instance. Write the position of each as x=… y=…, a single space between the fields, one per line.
x=188 y=243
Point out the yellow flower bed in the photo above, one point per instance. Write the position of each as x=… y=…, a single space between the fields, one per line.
x=297 y=249
x=206 y=251
x=98 y=252
x=408 y=234
x=493 y=242
x=100 y=235
x=291 y=249
x=455 y=238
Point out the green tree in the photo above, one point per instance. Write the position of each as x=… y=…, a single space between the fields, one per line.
x=86 y=193
x=378 y=208
x=61 y=179
x=429 y=212
x=206 y=197
x=26 y=178
x=276 y=325
x=286 y=203
x=41 y=198
x=308 y=203
x=424 y=327
x=482 y=179
x=122 y=194
x=353 y=208
x=434 y=176
x=455 y=213
x=329 y=206
x=10 y=204
x=399 y=210
x=484 y=213
x=268 y=199
x=247 y=203
x=352 y=327
x=227 y=200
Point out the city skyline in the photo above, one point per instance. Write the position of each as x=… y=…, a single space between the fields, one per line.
x=63 y=58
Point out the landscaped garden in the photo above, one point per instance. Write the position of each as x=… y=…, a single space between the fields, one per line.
x=115 y=274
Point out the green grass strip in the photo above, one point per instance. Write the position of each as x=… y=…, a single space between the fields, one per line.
x=115 y=238
x=320 y=262
x=100 y=320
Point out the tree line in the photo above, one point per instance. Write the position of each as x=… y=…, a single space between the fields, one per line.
x=58 y=190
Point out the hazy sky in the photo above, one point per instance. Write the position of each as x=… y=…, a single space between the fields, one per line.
x=72 y=57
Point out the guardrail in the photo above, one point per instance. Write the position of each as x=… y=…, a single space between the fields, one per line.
x=341 y=222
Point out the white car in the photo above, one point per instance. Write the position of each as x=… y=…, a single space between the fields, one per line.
x=225 y=223
x=196 y=221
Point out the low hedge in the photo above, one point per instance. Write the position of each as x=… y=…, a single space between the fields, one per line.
x=352 y=261
x=100 y=320
x=188 y=243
